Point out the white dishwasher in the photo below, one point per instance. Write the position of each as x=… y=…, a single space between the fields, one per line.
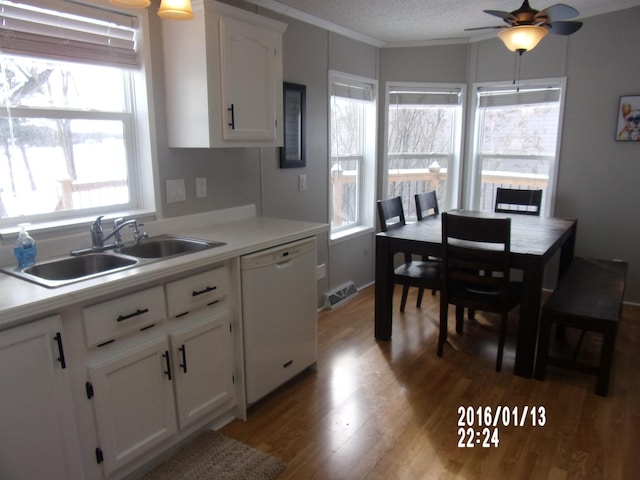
x=279 y=311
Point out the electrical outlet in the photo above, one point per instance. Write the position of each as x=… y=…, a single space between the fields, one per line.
x=176 y=191
x=201 y=187
x=302 y=182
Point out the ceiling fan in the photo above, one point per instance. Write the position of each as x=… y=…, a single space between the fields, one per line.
x=526 y=26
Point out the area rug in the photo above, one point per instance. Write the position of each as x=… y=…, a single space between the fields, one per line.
x=212 y=456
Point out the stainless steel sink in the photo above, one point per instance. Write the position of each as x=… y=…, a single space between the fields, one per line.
x=73 y=269
x=164 y=246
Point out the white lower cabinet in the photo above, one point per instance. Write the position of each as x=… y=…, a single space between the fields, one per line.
x=156 y=380
x=203 y=368
x=133 y=403
x=37 y=427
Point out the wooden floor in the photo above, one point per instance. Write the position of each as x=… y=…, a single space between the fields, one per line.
x=389 y=410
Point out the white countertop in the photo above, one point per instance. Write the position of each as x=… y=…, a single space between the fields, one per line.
x=21 y=300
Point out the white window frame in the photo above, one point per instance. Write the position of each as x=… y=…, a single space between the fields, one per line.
x=367 y=173
x=473 y=175
x=454 y=177
x=141 y=151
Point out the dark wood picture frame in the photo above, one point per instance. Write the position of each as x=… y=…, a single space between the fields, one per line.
x=292 y=153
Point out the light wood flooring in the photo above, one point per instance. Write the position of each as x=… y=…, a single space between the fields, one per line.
x=389 y=410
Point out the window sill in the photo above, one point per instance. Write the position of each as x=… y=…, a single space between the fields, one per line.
x=70 y=226
x=348 y=234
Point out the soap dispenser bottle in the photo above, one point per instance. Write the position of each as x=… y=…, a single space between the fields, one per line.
x=25 y=248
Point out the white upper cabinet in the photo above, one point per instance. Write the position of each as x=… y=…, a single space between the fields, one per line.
x=223 y=78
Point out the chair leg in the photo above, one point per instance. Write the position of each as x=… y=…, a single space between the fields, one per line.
x=501 y=340
x=442 y=336
x=403 y=302
x=420 y=294
x=459 y=319
x=472 y=314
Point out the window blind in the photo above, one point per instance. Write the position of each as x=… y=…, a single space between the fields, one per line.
x=497 y=97
x=88 y=34
x=354 y=91
x=424 y=96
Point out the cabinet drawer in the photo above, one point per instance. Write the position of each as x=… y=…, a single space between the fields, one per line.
x=115 y=318
x=198 y=291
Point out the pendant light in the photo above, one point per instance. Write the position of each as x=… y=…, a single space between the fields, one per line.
x=176 y=9
x=169 y=9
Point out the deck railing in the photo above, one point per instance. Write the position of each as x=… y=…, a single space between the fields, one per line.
x=407 y=182
x=73 y=195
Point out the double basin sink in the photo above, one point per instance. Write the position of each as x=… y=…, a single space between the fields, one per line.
x=63 y=271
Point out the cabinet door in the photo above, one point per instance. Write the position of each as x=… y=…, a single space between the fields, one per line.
x=133 y=402
x=37 y=430
x=203 y=359
x=251 y=71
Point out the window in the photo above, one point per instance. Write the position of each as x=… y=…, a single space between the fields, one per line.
x=352 y=146
x=516 y=140
x=424 y=132
x=67 y=116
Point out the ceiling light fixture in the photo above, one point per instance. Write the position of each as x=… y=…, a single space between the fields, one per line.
x=522 y=38
x=169 y=9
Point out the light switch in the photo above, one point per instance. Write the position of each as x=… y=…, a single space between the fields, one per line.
x=176 y=191
x=201 y=187
x=302 y=182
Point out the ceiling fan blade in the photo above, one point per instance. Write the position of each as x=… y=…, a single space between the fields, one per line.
x=564 y=28
x=507 y=16
x=560 y=11
x=485 y=28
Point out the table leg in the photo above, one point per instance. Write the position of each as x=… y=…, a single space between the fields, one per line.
x=567 y=251
x=383 y=289
x=529 y=318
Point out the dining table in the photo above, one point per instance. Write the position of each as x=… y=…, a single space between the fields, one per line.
x=535 y=240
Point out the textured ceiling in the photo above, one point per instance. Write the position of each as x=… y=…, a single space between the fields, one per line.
x=419 y=22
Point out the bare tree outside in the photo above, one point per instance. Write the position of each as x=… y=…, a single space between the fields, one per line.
x=52 y=113
x=419 y=136
x=346 y=156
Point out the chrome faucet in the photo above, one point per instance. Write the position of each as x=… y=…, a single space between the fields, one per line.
x=98 y=238
x=97 y=233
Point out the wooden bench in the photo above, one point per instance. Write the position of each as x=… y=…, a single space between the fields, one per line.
x=588 y=297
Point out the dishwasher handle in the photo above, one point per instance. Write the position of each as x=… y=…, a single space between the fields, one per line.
x=285 y=264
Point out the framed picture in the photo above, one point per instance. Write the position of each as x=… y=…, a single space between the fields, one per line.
x=292 y=154
x=629 y=119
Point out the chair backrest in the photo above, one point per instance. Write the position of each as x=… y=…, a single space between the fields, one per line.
x=525 y=202
x=391 y=214
x=475 y=258
x=426 y=204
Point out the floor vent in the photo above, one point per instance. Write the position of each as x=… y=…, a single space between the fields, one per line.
x=339 y=295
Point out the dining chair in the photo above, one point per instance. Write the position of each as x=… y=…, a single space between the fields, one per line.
x=471 y=246
x=426 y=204
x=523 y=202
x=426 y=207
x=424 y=274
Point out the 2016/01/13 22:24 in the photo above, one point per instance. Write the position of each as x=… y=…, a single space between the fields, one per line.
x=479 y=426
